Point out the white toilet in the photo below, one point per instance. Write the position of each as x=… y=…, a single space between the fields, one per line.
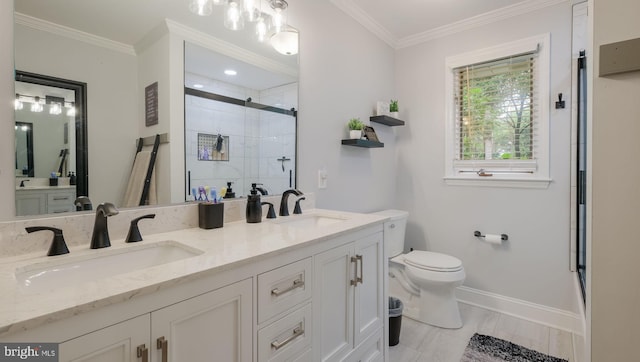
x=424 y=281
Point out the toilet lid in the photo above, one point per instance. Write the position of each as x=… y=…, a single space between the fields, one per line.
x=429 y=260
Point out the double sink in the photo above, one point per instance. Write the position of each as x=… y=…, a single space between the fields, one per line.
x=70 y=270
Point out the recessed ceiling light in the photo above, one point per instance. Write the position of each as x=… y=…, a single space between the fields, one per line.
x=230 y=72
x=198 y=86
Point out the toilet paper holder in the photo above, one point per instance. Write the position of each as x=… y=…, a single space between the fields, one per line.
x=503 y=237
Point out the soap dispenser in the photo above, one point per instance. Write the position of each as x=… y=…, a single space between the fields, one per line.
x=230 y=194
x=254 y=206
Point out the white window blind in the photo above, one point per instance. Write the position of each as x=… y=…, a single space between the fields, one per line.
x=496 y=115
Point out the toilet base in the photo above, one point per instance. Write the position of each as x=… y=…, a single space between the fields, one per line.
x=441 y=309
x=442 y=305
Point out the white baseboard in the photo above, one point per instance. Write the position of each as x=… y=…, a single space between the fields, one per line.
x=552 y=317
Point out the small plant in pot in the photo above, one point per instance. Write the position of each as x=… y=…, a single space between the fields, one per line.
x=355 y=128
x=393 y=108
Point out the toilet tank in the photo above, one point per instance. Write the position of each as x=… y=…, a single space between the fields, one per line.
x=394 y=231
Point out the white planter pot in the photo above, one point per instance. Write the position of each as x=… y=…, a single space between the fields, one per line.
x=355 y=134
x=393 y=114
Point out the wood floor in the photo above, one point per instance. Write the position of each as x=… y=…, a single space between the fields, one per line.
x=423 y=343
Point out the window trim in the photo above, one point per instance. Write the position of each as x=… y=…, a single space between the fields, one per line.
x=540 y=177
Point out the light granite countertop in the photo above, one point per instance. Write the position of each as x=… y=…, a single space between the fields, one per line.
x=235 y=244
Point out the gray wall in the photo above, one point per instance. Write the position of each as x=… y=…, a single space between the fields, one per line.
x=535 y=264
x=615 y=295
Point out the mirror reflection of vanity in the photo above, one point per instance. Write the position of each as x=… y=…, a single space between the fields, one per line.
x=77 y=40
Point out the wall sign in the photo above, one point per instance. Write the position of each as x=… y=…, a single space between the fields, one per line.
x=151 y=104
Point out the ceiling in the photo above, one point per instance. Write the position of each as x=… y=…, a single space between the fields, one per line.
x=407 y=22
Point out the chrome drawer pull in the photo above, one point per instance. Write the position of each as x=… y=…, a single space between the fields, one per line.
x=298 y=283
x=361 y=278
x=296 y=333
x=60 y=198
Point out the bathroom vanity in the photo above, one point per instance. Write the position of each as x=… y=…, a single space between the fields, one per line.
x=307 y=287
x=44 y=200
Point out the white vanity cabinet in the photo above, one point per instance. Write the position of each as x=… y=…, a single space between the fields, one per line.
x=348 y=301
x=45 y=200
x=118 y=343
x=213 y=326
x=323 y=301
x=216 y=326
x=285 y=312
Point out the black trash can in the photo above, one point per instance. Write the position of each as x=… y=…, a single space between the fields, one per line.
x=395 y=320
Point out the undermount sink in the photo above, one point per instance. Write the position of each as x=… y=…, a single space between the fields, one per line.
x=309 y=221
x=100 y=264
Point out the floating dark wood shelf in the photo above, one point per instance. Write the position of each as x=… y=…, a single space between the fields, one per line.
x=362 y=143
x=386 y=120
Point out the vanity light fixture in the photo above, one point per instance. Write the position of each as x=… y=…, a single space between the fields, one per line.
x=285 y=42
x=230 y=72
x=268 y=24
x=233 y=18
x=55 y=109
x=279 y=18
x=201 y=7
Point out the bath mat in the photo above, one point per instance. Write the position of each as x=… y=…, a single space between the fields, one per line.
x=483 y=348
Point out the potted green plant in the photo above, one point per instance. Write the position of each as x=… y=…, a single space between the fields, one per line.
x=355 y=128
x=393 y=108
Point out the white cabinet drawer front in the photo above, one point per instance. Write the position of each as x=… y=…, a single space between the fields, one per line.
x=282 y=288
x=60 y=198
x=287 y=338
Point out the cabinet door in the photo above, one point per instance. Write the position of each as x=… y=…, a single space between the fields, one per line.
x=118 y=343
x=333 y=303
x=215 y=326
x=368 y=312
x=30 y=203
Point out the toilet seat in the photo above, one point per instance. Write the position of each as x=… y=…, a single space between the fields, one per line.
x=436 y=262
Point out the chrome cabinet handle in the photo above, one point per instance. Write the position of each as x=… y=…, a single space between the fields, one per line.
x=355 y=281
x=297 y=332
x=298 y=283
x=61 y=198
x=392 y=226
x=163 y=344
x=361 y=277
x=143 y=352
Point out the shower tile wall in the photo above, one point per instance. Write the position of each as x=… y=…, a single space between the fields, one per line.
x=256 y=138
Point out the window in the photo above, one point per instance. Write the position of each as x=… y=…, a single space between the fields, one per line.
x=497 y=115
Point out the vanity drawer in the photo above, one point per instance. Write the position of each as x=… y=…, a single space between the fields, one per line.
x=60 y=198
x=287 y=338
x=281 y=289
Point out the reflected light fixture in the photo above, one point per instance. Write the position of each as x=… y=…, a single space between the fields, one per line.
x=201 y=7
x=17 y=104
x=285 y=42
x=230 y=72
x=71 y=110
x=55 y=109
x=198 y=86
x=36 y=106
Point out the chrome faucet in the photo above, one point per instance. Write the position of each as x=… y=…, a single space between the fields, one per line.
x=284 y=206
x=100 y=237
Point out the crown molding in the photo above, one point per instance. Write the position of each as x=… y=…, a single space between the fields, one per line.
x=70 y=33
x=479 y=20
x=362 y=17
x=229 y=49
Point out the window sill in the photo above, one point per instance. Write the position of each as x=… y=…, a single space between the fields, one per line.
x=504 y=182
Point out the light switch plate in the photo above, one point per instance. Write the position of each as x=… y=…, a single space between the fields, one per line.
x=322 y=178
